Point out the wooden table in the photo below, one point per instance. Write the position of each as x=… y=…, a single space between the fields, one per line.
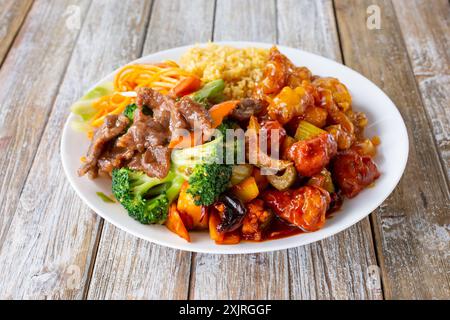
x=53 y=247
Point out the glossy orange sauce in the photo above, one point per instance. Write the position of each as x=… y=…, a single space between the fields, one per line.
x=279 y=229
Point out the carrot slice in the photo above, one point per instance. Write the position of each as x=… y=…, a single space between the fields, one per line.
x=182 y=142
x=219 y=111
x=187 y=220
x=175 y=224
x=186 y=86
x=214 y=221
x=187 y=205
x=233 y=237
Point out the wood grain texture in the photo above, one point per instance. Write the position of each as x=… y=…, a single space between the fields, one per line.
x=38 y=58
x=12 y=15
x=252 y=276
x=309 y=25
x=141 y=270
x=337 y=267
x=237 y=277
x=425 y=27
x=247 y=20
x=130 y=268
x=412 y=226
x=50 y=243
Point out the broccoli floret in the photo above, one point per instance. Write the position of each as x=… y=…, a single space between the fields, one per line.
x=129 y=111
x=134 y=190
x=205 y=170
x=208 y=181
x=225 y=125
x=147 y=199
x=209 y=152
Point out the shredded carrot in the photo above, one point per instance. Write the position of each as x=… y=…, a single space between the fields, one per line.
x=163 y=76
x=107 y=105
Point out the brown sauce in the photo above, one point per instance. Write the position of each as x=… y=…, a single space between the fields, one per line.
x=336 y=203
x=278 y=230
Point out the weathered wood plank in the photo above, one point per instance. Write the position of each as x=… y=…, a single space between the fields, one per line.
x=50 y=243
x=253 y=276
x=35 y=65
x=131 y=268
x=309 y=25
x=12 y=15
x=237 y=277
x=141 y=270
x=426 y=27
x=248 y=20
x=337 y=267
x=341 y=267
x=190 y=22
x=411 y=227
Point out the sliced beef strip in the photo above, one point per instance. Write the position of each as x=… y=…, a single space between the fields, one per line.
x=144 y=133
x=163 y=107
x=184 y=114
x=149 y=97
x=146 y=139
x=114 y=158
x=195 y=114
x=155 y=161
x=112 y=127
x=247 y=108
x=149 y=136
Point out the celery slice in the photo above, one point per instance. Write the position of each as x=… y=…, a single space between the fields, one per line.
x=212 y=91
x=323 y=180
x=240 y=172
x=104 y=197
x=306 y=130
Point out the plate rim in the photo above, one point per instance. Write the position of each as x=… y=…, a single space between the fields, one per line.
x=276 y=245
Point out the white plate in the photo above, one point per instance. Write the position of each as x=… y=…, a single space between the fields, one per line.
x=384 y=121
